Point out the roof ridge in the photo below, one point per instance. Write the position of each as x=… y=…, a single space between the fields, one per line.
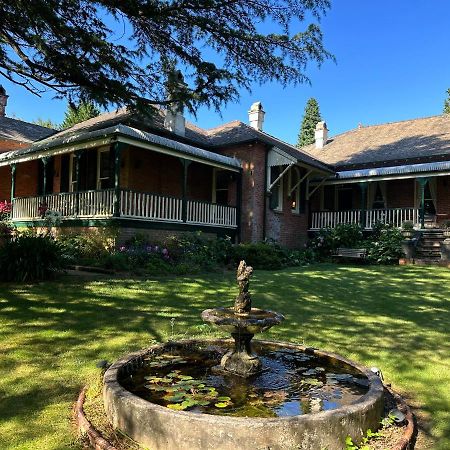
x=28 y=123
x=387 y=123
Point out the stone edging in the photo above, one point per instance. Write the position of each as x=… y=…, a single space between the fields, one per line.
x=410 y=431
x=98 y=442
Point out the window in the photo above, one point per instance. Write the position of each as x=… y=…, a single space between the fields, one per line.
x=276 y=199
x=294 y=189
x=103 y=168
x=220 y=186
x=72 y=173
x=378 y=201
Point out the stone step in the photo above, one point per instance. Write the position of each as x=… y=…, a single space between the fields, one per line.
x=428 y=244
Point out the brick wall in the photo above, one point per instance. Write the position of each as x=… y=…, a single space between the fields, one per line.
x=6 y=145
x=147 y=171
x=287 y=228
x=443 y=197
x=400 y=193
x=253 y=157
x=27 y=179
x=5 y=183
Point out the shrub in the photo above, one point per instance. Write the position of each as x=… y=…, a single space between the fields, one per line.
x=329 y=240
x=30 y=258
x=385 y=245
x=262 y=255
x=89 y=246
x=408 y=225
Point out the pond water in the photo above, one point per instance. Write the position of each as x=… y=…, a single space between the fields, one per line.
x=292 y=383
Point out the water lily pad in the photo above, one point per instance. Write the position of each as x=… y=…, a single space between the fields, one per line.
x=176 y=406
x=221 y=404
x=223 y=399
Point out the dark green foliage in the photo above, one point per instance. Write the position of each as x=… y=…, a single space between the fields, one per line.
x=88 y=247
x=447 y=103
x=385 y=245
x=79 y=113
x=30 y=258
x=47 y=123
x=262 y=255
x=311 y=118
x=119 y=52
x=328 y=241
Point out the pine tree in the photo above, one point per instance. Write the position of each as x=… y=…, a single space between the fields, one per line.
x=79 y=113
x=447 y=103
x=310 y=119
x=47 y=123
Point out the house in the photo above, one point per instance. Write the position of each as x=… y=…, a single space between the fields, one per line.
x=161 y=175
x=392 y=172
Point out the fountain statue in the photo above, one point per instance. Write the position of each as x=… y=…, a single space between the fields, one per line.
x=243 y=302
x=243 y=322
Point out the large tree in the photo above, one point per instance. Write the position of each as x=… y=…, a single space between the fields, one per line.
x=447 y=103
x=311 y=118
x=117 y=52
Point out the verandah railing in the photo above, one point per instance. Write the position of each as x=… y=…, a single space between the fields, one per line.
x=134 y=205
x=367 y=218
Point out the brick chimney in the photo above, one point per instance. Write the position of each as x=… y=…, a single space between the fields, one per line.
x=3 y=101
x=256 y=116
x=321 y=134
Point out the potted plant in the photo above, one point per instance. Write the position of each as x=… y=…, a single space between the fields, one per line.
x=408 y=229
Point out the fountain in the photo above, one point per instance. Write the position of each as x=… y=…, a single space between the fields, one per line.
x=243 y=323
x=203 y=394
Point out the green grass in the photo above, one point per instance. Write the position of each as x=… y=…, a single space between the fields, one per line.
x=52 y=334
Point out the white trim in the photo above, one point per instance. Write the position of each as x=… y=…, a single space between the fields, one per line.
x=98 y=178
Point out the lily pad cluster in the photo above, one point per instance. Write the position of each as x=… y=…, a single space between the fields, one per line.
x=182 y=392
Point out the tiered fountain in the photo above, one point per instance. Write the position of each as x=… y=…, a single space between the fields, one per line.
x=202 y=394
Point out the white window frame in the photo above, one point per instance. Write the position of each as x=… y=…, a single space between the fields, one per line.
x=279 y=185
x=100 y=179
x=72 y=182
x=295 y=210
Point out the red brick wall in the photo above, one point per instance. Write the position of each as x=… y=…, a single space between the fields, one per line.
x=5 y=183
x=199 y=182
x=27 y=179
x=57 y=174
x=148 y=171
x=400 y=193
x=7 y=145
x=253 y=157
x=443 y=197
x=287 y=228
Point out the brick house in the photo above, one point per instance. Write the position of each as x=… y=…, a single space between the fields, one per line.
x=165 y=175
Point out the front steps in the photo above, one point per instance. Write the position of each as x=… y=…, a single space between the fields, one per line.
x=429 y=247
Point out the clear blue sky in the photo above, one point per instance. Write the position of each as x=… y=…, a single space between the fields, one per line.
x=393 y=64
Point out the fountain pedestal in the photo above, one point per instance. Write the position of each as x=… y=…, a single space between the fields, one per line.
x=241 y=360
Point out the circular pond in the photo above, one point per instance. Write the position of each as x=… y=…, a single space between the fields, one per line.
x=170 y=396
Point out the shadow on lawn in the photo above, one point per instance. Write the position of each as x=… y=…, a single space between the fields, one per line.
x=394 y=317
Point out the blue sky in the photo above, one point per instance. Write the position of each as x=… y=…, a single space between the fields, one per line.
x=392 y=64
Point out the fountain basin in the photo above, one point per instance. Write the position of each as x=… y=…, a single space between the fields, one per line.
x=158 y=427
x=256 y=321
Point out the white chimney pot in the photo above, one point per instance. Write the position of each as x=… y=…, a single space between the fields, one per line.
x=321 y=134
x=256 y=116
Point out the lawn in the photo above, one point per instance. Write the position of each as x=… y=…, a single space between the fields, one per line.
x=396 y=318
